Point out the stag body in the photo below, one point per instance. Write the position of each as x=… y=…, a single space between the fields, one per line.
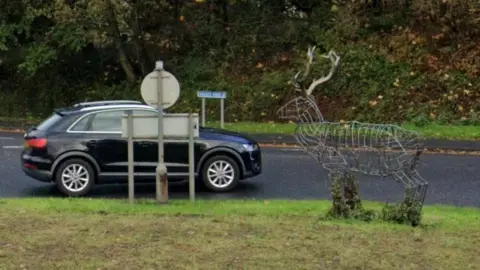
x=352 y=146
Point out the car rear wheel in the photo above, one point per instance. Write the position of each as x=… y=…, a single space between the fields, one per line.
x=75 y=177
x=220 y=173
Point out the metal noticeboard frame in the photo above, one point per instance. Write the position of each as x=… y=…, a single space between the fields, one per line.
x=175 y=126
x=222 y=95
x=179 y=126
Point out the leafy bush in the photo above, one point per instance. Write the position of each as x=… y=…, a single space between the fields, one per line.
x=401 y=60
x=346 y=202
x=406 y=212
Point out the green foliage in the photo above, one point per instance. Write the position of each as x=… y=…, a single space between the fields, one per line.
x=421 y=120
x=408 y=212
x=37 y=56
x=6 y=31
x=394 y=66
x=69 y=37
x=346 y=203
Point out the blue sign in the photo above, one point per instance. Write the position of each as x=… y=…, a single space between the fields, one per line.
x=212 y=94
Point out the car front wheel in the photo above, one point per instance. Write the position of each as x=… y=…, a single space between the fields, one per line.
x=75 y=177
x=220 y=173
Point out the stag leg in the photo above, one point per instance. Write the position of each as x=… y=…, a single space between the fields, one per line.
x=421 y=186
x=415 y=192
x=339 y=204
x=345 y=193
x=337 y=167
x=407 y=183
x=344 y=189
x=351 y=191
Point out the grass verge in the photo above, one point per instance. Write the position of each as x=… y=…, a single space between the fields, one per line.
x=110 y=234
x=429 y=131
x=457 y=132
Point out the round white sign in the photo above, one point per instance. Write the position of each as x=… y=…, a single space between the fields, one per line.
x=170 y=86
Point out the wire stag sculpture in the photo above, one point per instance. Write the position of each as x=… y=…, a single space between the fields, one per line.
x=382 y=150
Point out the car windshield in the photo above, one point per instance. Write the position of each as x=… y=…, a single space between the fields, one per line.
x=49 y=121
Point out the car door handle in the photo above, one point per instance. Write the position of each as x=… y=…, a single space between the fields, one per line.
x=92 y=143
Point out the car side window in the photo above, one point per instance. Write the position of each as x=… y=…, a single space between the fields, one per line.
x=82 y=124
x=107 y=121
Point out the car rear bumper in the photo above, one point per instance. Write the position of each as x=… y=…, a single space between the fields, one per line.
x=35 y=169
x=40 y=175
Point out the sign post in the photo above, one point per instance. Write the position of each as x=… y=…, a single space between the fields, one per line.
x=131 y=191
x=191 y=153
x=203 y=111
x=161 y=176
x=213 y=95
x=164 y=93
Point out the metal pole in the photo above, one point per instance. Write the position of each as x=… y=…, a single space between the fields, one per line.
x=161 y=175
x=203 y=112
x=131 y=191
x=221 y=112
x=191 y=152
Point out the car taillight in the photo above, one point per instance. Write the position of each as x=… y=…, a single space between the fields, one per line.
x=36 y=143
x=29 y=166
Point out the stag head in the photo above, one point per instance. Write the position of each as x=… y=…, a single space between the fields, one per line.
x=293 y=109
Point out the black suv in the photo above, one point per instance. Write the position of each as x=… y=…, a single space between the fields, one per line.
x=80 y=146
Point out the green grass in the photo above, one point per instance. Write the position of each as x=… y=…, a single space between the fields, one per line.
x=429 y=131
x=439 y=214
x=461 y=132
x=62 y=233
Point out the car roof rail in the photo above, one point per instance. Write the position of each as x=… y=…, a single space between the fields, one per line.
x=106 y=102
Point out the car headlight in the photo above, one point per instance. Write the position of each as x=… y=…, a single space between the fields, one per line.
x=250 y=147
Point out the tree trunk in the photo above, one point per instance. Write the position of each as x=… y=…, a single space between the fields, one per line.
x=143 y=57
x=122 y=54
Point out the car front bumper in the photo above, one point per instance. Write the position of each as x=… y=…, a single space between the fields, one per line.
x=253 y=164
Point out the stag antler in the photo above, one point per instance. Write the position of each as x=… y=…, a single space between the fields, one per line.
x=334 y=58
x=297 y=84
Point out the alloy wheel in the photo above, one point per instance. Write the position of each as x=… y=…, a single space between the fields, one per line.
x=75 y=177
x=220 y=174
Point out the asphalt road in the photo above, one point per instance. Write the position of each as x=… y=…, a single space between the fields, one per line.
x=288 y=174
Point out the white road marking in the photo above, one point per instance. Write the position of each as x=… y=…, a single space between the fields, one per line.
x=285 y=149
x=13 y=147
x=7 y=138
x=293 y=150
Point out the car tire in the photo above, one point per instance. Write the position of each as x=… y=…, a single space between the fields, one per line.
x=222 y=183
x=75 y=177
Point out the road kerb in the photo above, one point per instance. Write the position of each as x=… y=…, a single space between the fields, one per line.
x=8 y=130
x=425 y=150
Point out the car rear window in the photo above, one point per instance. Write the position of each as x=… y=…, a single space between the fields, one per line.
x=47 y=123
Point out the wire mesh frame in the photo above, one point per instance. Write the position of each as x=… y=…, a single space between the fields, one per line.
x=384 y=150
